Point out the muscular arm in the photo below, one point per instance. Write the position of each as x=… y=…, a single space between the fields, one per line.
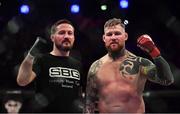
x=91 y=88
x=160 y=72
x=25 y=74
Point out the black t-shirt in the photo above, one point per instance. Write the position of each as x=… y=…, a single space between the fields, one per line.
x=58 y=83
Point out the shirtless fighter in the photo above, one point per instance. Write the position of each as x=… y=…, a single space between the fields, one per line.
x=116 y=81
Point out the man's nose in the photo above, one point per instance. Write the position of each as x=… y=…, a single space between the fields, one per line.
x=66 y=35
x=113 y=36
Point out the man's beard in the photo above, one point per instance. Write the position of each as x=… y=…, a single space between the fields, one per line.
x=115 y=53
x=64 y=48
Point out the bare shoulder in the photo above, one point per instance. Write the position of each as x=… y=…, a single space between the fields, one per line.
x=131 y=54
x=132 y=64
x=95 y=66
x=142 y=61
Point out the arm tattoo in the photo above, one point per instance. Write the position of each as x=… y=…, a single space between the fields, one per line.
x=159 y=72
x=91 y=89
x=163 y=71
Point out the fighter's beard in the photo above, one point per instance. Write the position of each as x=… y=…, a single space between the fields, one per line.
x=115 y=54
x=64 y=48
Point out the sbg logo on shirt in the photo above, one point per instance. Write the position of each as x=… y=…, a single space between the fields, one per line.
x=64 y=72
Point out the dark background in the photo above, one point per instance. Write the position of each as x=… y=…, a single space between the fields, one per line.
x=158 y=18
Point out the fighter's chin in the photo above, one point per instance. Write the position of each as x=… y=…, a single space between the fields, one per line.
x=68 y=47
x=64 y=48
x=114 y=49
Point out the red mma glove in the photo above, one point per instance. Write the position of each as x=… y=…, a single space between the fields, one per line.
x=146 y=44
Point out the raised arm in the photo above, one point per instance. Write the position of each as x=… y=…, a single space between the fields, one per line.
x=26 y=74
x=160 y=71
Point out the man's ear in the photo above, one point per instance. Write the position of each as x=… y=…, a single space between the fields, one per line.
x=52 y=38
x=126 y=36
x=103 y=37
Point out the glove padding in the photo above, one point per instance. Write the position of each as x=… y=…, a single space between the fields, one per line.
x=145 y=43
x=35 y=49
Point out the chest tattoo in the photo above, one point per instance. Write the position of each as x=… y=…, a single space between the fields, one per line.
x=130 y=65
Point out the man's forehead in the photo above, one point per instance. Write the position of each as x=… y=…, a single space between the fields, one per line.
x=115 y=27
x=64 y=25
x=12 y=101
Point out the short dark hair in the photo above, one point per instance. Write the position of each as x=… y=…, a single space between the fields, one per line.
x=113 y=22
x=14 y=97
x=53 y=27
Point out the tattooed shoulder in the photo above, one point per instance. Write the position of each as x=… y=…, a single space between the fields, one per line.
x=94 y=67
x=145 y=62
x=130 y=65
